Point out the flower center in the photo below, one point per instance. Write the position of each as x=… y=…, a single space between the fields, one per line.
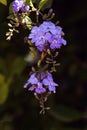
x=54 y=41
x=41 y=37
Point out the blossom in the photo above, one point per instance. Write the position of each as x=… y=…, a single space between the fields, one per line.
x=19 y=4
x=56 y=42
x=26 y=8
x=47 y=35
x=32 y=80
x=37 y=36
x=40 y=88
x=41 y=83
x=36 y=84
x=48 y=27
x=48 y=81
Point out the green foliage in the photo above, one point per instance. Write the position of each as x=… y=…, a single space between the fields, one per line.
x=28 y=21
x=17 y=66
x=2 y=67
x=47 y=5
x=4 y=88
x=28 y=1
x=10 y=9
x=4 y=2
x=42 y=3
x=3 y=9
x=5 y=123
x=65 y=114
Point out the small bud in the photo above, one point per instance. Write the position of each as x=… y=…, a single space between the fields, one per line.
x=48 y=59
x=10 y=25
x=56 y=54
x=48 y=51
x=8 y=33
x=54 y=62
x=50 y=11
x=33 y=69
x=17 y=31
x=48 y=62
x=11 y=30
x=8 y=38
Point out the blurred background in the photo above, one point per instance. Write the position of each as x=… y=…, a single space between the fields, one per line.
x=19 y=110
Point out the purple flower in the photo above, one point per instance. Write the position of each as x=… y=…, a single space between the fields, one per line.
x=48 y=81
x=26 y=8
x=47 y=27
x=31 y=80
x=47 y=35
x=41 y=82
x=19 y=4
x=37 y=36
x=56 y=42
x=40 y=89
x=36 y=84
x=32 y=88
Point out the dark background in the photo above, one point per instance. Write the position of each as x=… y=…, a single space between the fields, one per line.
x=19 y=110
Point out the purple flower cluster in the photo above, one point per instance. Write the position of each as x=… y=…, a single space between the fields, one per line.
x=20 y=5
x=47 y=35
x=41 y=83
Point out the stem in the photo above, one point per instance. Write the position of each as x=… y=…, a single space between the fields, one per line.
x=37 y=16
x=43 y=55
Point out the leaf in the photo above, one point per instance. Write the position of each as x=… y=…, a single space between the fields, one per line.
x=4 y=88
x=3 y=13
x=66 y=114
x=2 y=79
x=28 y=1
x=2 y=67
x=63 y=128
x=4 y=2
x=11 y=9
x=42 y=3
x=32 y=57
x=6 y=122
x=47 y=5
x=18 y=66
x=3 y=93
x=28 y=22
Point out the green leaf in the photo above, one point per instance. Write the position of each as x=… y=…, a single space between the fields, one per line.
x=47 y=5
x=28 y=1
x=3 y=13
x=28 y=22
x=6 y=123
x=3 y=93
x=4 y=2
x=63 y=128
x=42 y=3
x=18 y=66
x=11 y=9
x=66 y=114
x=2 y=67
x=2 y=79
x=4 y=88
